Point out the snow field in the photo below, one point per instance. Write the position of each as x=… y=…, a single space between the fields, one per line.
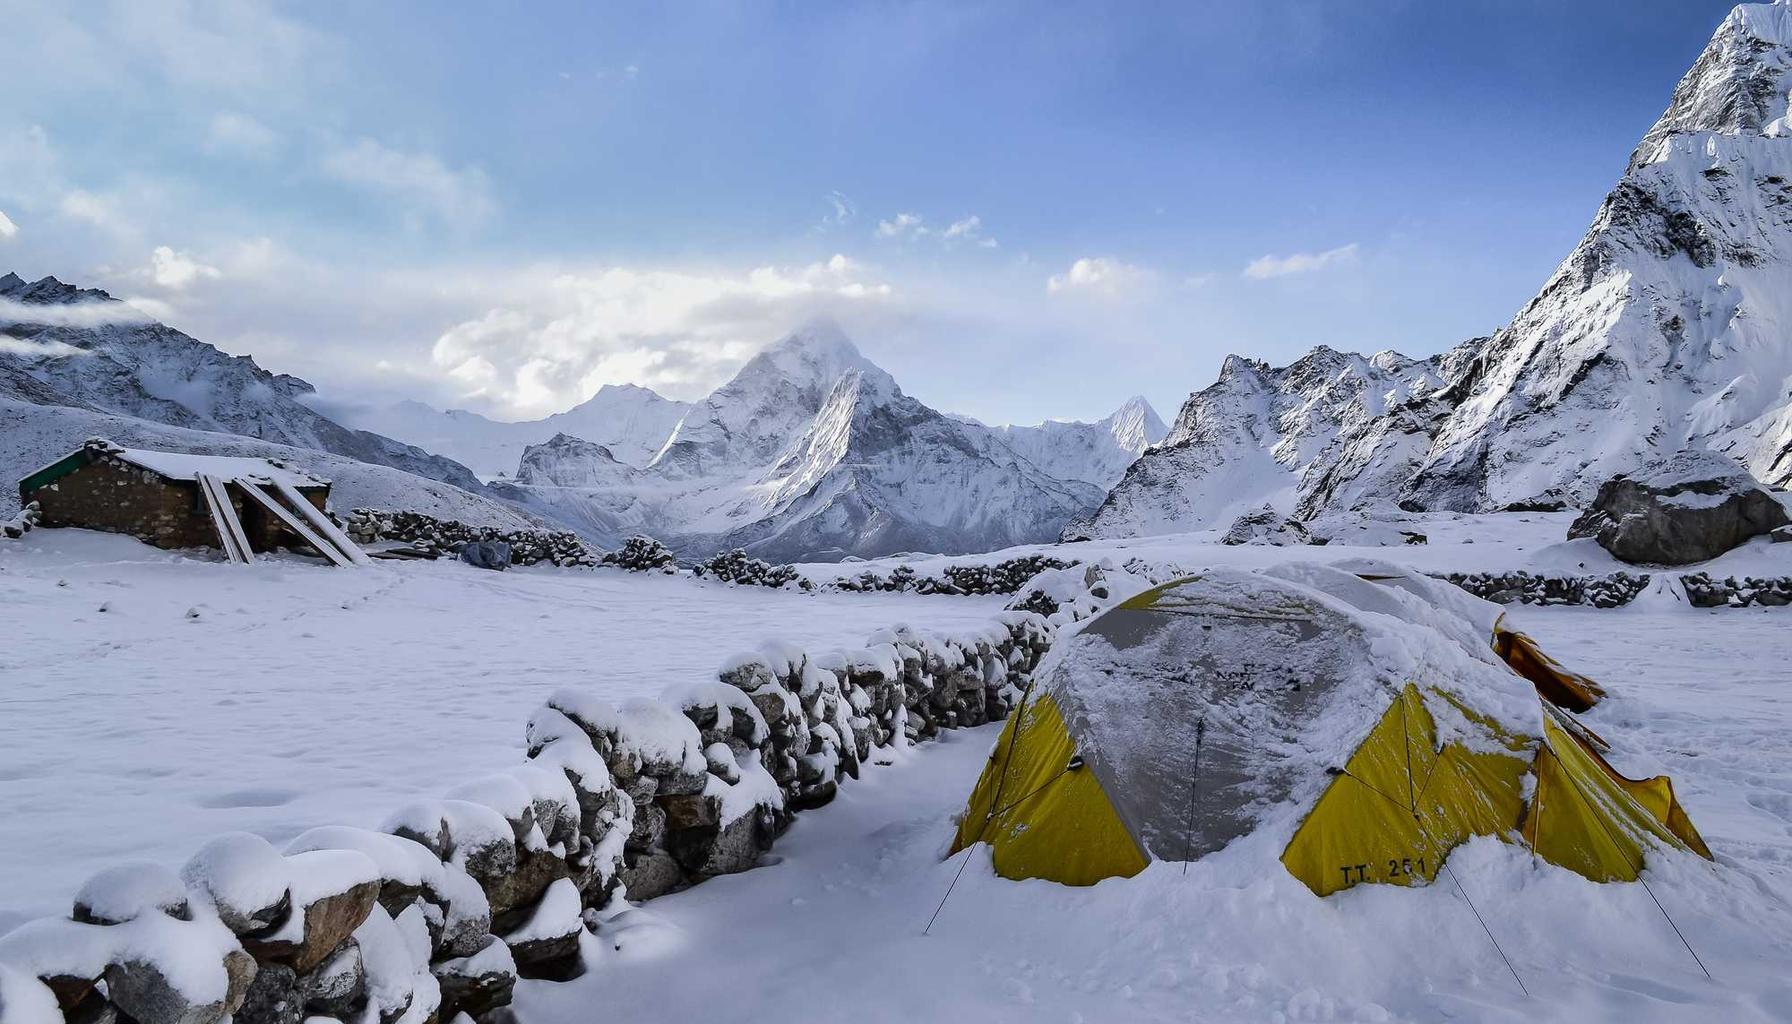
x=152 y=700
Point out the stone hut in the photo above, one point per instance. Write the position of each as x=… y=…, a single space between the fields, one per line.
x=178 y=500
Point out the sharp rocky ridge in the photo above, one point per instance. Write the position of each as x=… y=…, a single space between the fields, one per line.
x=1667 y=328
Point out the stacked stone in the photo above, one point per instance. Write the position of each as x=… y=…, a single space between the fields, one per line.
x=21 y=524
x=1000 y=578
x=642 y=554
x=739 y=567
x=1619 y=588
x=781 y=730
x=428 y=535
x=1702 y=591
x=442 y=910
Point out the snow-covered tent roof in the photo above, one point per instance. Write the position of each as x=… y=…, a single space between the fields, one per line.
x=1358 y=720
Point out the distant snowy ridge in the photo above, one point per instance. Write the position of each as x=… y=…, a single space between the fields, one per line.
x=1094 y=453
x=130 y=365
x=811 y=452
x=1246 y=440
x=633 y=422
x=1668 y=327
x=76 y=363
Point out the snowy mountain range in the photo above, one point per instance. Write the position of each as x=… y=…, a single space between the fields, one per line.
x=1668 y=327
x=633 y=422
x=812 y=451
x=80 y=348
x=1246 y=440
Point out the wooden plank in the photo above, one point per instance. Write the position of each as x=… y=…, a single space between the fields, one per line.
x=230 y=529
x=321 y=523
x=306 y=533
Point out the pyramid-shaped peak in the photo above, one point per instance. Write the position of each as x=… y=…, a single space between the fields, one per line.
x=1738 y=86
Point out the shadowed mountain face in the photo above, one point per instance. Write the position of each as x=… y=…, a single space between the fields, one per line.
x=811 y=451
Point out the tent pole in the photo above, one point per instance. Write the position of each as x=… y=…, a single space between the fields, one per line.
x=1194 y=786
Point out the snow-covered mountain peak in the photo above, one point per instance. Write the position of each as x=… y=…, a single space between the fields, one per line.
x=1741 y=85
x=1135 y=426
x=48 y=291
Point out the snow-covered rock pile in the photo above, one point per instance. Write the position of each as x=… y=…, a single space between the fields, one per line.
x=21 y=524
x=1267 y=526
x=1702 y=591
x=1005 y=577
x=739 y=567
x=1620 y=588
x=642 y=554
x=439 y=912
x=430 y=535
x=1697 y=506
x=1078 y=592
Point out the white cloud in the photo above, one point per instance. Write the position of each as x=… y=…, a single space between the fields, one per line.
x=560 y=335
x=233 y=134
x=30 y=348
x=7 y=227
x=966 y=230
x=970 y=230
x=844 y=209
x=904 y=225
x=1265 y=267
x=76 y=314
x=85 y=206
x=459 y=198
x=177 y=270
x=1101 y=275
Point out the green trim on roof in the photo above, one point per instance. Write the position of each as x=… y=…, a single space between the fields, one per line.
x=52 y=473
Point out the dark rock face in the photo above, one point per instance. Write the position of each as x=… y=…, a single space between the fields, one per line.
x=1698 y=506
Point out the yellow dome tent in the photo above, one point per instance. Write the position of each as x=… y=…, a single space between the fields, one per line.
x=1364 y=713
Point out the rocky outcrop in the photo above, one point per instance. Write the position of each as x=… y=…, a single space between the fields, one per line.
x=1267 y=526
x=1696 y=507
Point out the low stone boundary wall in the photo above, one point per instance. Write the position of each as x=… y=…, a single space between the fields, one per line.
x=427 y=533
x=439 y=911
x=1702 y=591
x=1619 y=588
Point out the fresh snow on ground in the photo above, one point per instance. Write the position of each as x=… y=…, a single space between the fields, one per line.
x=153 y=699
x=834 y=930
x=1456 y=542
x=300 y=696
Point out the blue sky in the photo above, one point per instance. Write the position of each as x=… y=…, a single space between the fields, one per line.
x=1021 y=210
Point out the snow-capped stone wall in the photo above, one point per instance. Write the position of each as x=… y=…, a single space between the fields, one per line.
x=366 y=526
x=439 y=911
x=1620 y=588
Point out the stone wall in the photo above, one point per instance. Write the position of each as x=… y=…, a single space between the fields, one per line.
x=1703 y=591
x=1619 y=588
x=440 y=910
x=430 y=536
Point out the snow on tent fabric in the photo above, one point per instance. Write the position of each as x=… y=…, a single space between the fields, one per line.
x=1367 y=743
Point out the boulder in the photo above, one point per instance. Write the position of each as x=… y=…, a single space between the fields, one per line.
x=1267 y=526
x=1697 y=506
x=486 y=554
x=478 y=983
x=142 y=989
